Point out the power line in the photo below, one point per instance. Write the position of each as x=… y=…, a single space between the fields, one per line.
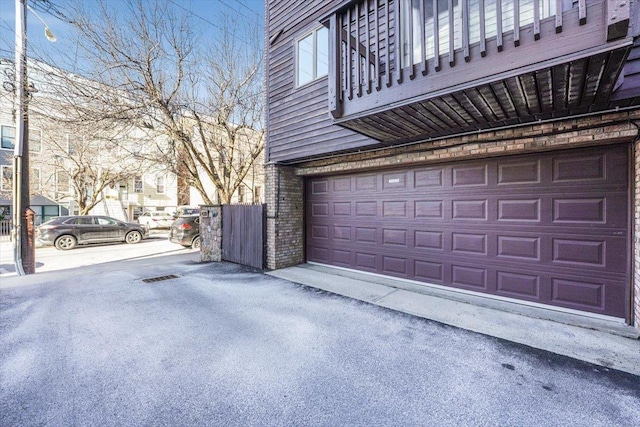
x=248 y=43
x=241 y=3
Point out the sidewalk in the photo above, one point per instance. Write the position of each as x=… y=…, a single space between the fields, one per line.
x=605 y=342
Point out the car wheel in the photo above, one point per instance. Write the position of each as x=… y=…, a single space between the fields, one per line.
x=195 y=244
x=66 y=242
x=133 y=237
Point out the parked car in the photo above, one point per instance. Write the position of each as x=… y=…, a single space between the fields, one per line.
x=186 y=231
x=66 y=232
x=153 y=220
x=186 y=210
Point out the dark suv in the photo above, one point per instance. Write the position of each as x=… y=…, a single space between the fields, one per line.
x=65 y=232
x=185 y=231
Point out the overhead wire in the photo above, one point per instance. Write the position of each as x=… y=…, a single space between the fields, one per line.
x=247 y=42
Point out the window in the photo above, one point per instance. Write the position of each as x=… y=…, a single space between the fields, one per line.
x=35 y=140
x=137 y=184
x=6 y=180
x=160 y=184
x=256 y=194
x=63 y=185
x=49 y=212
x=85 y=220
x=312 y=56
x=8 y=137
x=34 y=180
x=240 y=194
x=73 y=144
x=106 y=221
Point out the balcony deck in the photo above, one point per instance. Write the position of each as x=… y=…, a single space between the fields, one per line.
x=565 y=64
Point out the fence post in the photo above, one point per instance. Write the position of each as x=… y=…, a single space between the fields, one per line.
x=210 y=233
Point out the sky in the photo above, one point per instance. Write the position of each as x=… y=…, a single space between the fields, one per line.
x=204 y=12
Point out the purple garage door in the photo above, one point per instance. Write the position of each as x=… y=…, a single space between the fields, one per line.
x=550 y=228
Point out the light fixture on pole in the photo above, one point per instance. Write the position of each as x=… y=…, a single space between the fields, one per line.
x=47 y=32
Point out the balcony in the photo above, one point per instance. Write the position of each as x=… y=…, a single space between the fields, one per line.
x=408 y=70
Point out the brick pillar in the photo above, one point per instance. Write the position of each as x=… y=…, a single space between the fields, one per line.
x=29 y=262
x=210 y=233
x=284 y=193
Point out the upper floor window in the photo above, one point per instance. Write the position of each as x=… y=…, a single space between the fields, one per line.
x=34 y=180
x=63 y=183
x=241 y=194
x=8 y=137
x=6 y=178
x=137 y=184
x=312 y=56
x=73 y=144
x=160 y=188
x=35 y=140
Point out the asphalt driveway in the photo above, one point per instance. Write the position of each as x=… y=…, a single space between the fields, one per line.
x=224 y=345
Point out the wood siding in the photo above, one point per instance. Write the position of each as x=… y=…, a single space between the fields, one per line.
x=479 y=78
x=298 y=119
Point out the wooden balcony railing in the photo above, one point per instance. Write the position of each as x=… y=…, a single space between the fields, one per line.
x=381 y=44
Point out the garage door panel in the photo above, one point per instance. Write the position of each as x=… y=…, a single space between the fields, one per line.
x=519 y=172
x=474 y=175
x=549 y=228
x=518 y=285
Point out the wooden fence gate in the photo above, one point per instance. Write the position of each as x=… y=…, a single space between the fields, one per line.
x=244 y=234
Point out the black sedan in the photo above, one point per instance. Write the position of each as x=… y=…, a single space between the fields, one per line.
x=185 y=231
x=66 y=232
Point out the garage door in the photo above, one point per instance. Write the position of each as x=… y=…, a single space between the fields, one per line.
x=549 y=228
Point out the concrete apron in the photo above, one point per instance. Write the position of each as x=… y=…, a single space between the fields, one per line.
x=601 y=341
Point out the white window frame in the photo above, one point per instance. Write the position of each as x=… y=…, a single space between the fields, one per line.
x=241 y=194
x=38 y=180
x=161 y=187
x=33 y=138
x=67 y=190
x=2 y=128
x=74 y=151
x=2 y=172
x=136 y=189
x=315 y=75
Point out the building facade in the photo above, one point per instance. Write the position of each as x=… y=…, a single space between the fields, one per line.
x=488 y=147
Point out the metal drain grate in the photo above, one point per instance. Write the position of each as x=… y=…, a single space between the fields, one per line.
x=159 y=278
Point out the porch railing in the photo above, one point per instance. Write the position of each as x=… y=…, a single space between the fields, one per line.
x=378 y=43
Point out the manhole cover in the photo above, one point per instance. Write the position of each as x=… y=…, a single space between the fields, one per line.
x=159 y=278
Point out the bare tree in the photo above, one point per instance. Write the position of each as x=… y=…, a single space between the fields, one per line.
x=202 y=105
x=82 y=156
x=87 y=164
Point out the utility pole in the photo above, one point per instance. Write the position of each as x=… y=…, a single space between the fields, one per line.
x=24 y=246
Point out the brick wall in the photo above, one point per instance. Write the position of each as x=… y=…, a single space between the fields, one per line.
x=574 y=133
x=285 y=223
x=284 y=193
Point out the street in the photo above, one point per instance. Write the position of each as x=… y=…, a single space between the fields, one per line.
x=49 y=258
x=219 y=344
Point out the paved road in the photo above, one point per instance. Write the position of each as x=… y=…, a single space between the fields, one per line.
x=223 y=345
x=50 y=259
